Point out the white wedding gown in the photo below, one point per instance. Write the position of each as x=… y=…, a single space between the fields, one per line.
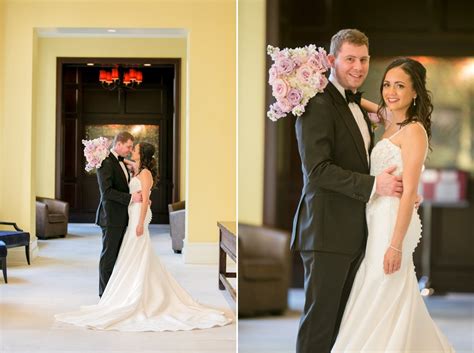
x=141 y=294
x=386 y=313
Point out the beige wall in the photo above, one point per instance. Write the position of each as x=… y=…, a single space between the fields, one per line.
x=211 y=180
x=2 y=130
x=45 y=113
x=252 y=81
x=209 y=108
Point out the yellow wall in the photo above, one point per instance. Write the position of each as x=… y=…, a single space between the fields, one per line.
x=211 y=178
x=2 y=130
x=45 y=112
x=17 y=124
x=252 y=81
x=210 y=105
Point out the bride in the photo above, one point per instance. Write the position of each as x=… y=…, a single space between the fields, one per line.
x=141 y=294
x=385 y=311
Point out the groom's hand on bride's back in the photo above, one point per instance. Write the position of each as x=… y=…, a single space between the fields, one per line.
x=388 y=184
x=137 y=197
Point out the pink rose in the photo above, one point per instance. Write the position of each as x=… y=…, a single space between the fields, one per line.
x=323 y=59
x=294 y=96
x=323 y=82
x=284 y=104
x=275 y=112
x=373 y=117
x=300 y=60
x=284 y=66
x=314 y=62
x=304 y=73
x=319 y=81
x=280 y=88
x=272 y=75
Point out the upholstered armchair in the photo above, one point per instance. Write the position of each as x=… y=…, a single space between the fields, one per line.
x=264 y=270
x=52 y=218
x=177 y=212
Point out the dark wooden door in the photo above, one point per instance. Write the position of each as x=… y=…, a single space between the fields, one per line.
x=87 y=110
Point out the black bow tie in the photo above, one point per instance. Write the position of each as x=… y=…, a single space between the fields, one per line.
x=120 y=158
x=353 y=97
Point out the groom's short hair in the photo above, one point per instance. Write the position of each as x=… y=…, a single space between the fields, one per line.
x=352 y=36
x=123 y=137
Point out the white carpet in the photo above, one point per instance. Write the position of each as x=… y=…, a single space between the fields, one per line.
x=65 y=276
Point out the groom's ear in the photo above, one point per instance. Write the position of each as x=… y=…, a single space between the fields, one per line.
x=331 y=59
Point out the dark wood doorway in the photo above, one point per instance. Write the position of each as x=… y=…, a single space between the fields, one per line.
x=85 y=110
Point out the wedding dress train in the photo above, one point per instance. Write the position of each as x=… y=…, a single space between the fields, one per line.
x=141 y=294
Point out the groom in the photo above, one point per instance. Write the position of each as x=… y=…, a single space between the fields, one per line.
x=329 y=229
x=112 y=214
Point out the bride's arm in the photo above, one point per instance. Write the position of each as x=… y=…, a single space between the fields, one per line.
x=413 y=147
x=146 y=181
x=369 y=106
x=372 y=110
x=132 y=166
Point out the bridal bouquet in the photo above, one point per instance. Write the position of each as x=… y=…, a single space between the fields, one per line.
x=296 y=76
x=96 y=151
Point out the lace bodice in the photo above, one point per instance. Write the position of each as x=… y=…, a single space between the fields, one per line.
x=386 y=154
x=135 y=207
x=135 y=185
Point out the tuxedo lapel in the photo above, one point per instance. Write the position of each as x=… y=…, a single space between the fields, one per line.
x=349 y=120
x=371 y=131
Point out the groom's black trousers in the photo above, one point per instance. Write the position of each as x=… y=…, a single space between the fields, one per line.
x=111 y=241
x=328 y=279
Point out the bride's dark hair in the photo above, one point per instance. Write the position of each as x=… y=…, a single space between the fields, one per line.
x=147 y=150
x=423 y=108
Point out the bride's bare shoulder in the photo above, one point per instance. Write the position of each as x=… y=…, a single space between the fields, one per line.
x=146 y=171
x=414 y=135
x=144 y=175
x=415 y=129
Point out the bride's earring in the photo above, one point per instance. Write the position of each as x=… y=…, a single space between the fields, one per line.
x=414 y=101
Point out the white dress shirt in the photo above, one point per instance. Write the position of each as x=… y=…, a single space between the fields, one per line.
x=361 y=123
x=122 y=164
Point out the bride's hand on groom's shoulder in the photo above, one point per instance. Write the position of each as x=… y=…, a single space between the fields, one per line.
x=139 y=230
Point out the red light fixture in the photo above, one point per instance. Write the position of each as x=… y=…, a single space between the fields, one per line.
x=110 y=79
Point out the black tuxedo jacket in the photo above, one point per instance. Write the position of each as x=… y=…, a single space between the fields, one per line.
x=114 y=194
x=331 y=212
